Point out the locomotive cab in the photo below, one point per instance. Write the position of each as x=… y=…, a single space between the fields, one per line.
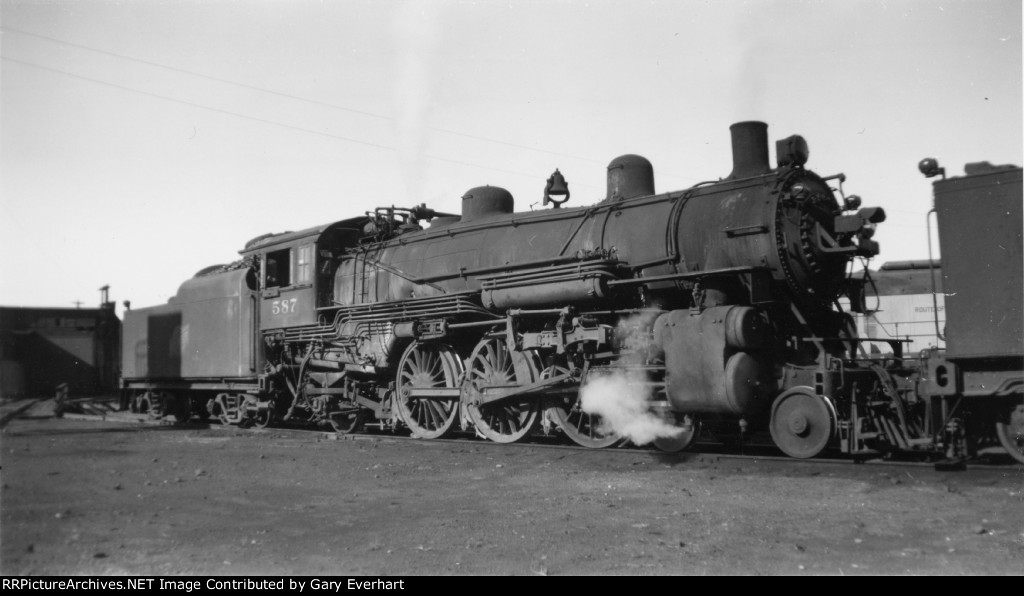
x=296 y=271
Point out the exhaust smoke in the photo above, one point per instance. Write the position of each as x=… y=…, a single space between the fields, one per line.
x=622 y=396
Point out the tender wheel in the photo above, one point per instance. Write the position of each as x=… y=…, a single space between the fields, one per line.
x=152 y=405
x=427 y=366
x=203 y=411
x=213 y=409
x=582 y=428
x=222 y=415
x=263 y=418
x=493 y=364
x=1011 y=433
x=179 y=406
x=690 y=428
x=348 y=421
x=802 y=423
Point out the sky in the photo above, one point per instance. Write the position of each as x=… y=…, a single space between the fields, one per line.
x=143 y=141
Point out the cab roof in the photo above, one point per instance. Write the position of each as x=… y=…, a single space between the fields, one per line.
x=268 y=241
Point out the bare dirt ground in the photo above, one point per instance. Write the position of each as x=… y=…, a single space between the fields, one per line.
x=93 y=497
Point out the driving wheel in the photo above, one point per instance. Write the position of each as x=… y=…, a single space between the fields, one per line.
x=492 y=365
x=1011 y=433
x=428 y=366
x=580 y=427
x=689 y=430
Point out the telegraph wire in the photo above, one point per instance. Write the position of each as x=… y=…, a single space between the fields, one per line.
x=312 y=101
x=265 y=121
x=189 y=103
x=196 y=74
x=290 y=96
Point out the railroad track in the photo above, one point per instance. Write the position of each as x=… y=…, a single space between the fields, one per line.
x=17 y=409
x=700 y=451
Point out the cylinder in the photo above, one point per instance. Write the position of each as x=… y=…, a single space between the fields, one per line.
x=745 y=329
x=705 y=371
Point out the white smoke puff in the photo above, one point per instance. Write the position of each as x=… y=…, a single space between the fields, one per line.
x=622 y=398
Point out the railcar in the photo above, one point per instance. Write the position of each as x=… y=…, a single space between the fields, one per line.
x=902 y=301
x=976 y=382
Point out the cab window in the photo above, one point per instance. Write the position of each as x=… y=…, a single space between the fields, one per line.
x=304 y=265
x=278 y=269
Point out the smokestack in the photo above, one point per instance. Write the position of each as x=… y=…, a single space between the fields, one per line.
x=749 y=149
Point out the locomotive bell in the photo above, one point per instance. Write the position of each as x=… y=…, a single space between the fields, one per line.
x=558 y=187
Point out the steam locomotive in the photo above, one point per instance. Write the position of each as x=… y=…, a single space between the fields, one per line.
x=716 y=307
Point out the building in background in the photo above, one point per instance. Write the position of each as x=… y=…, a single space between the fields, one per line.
x=900 y=305
x=42 y=348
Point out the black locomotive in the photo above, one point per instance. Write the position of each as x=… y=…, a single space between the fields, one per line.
x=712 y=307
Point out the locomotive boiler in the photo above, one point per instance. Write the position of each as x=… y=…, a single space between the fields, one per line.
x=718 y=304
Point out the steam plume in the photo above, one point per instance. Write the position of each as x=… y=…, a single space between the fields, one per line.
x=622 y=397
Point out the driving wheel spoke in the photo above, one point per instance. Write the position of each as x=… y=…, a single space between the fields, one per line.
x=427 y=366
x=494 y=365
x=580 y=427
